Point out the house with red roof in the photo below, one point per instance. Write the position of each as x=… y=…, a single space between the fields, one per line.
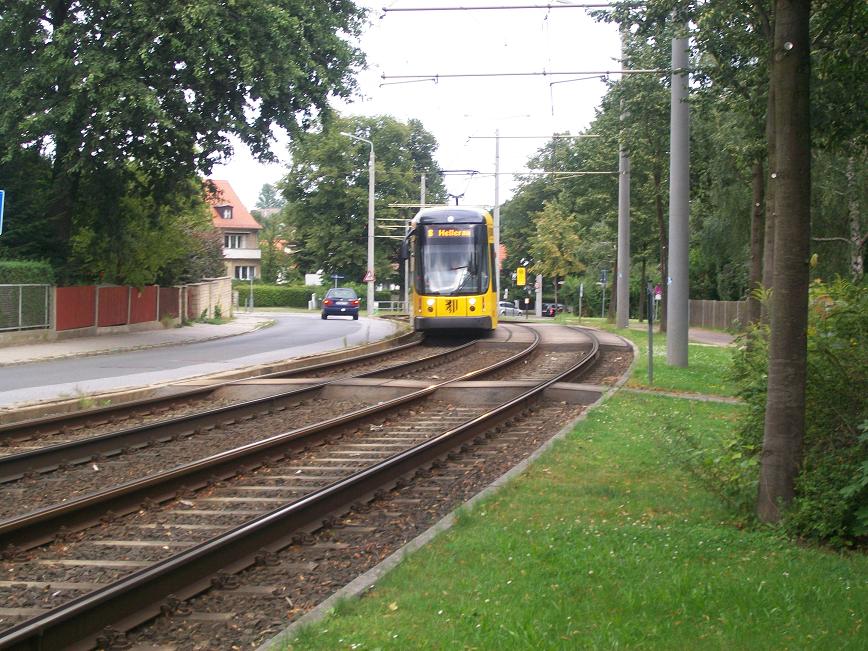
x=240 y=232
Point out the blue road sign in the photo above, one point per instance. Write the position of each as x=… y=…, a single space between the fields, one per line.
x=2 y=202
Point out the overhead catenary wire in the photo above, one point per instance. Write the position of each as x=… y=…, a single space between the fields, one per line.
x=543 y=73
x=584 y=5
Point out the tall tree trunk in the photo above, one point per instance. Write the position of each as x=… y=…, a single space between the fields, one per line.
x=857 y=240
x=771 y=188
x=785 y=405
x=663 y=239
x=754 y=307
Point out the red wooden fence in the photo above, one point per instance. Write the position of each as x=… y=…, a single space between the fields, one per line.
x=112 y=306
x=143 y=304
x=75 y=307
x=78 y=307
x=169 y=303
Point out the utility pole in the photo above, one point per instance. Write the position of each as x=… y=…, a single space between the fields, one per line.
x=622 y=281
x=369 y=276
x=679 y=208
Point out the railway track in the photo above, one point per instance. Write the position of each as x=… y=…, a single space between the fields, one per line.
x=125 y=554
x=46 y=444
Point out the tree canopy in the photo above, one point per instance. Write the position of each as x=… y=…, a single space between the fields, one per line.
x=151 y=92
x=327 y=191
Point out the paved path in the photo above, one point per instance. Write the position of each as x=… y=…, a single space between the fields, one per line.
x=696 y=335
x=108 y=343
x=69 y=369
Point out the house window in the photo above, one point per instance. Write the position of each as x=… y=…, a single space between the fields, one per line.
x=245 y=272
x=225 y=211
x=233 y=241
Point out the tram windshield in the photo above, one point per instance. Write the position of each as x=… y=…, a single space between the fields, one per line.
x=452 y=259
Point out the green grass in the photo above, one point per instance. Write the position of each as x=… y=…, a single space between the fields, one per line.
x=706 y=365
x=706 y=370
x=604 y=543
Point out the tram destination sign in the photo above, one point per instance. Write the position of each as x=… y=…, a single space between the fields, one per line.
x=448 y=231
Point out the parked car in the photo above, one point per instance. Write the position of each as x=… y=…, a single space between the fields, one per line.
x=340 y=301
x=505 y=308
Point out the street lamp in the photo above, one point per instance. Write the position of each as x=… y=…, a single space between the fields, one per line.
x=370 y=274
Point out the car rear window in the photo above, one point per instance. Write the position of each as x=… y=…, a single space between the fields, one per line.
x=341 y=293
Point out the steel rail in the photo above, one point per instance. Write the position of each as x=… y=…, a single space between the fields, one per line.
x=41 y=526
x=142 y=595
x=17 y=431
x=14 y=466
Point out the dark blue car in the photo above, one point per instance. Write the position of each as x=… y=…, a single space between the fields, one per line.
x=340 y=301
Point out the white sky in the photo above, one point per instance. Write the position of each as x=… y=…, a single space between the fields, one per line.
x=450 y=42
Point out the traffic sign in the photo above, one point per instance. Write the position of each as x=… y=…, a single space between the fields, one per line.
x=2 y=202
x=520 y=276
x=369 y=276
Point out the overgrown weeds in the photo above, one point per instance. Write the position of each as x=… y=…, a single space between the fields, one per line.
x=831 y=504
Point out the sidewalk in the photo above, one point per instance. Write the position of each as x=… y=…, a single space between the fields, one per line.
x=241 y=323
x=696 y=335
x=710 y=337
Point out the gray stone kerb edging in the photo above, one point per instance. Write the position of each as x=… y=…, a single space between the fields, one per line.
x=260 y=325
x=361 y=584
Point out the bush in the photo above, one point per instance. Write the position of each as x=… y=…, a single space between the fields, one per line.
x=25 y=272
x=294 y=295
x=274 y=295
x=832 y=486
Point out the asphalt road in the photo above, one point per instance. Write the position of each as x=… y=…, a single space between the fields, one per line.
x=292 y=335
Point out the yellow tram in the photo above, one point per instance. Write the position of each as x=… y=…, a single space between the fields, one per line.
x=452 y=264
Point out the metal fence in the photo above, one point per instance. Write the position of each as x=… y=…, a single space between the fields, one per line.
x=390 y=307
x=25 y=307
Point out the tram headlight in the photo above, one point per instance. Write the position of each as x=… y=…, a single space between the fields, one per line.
x=430 y=304
x=472 y=303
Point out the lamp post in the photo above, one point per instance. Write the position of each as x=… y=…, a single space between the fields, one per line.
x=370 y=273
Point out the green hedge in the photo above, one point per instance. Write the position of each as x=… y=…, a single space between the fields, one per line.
x=25 y=272
x=293 y=295
x=274 y=295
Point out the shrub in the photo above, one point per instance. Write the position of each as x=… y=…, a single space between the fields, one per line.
x=274 y=295
x=293 y=295
x=832 y=486
x=25 y=272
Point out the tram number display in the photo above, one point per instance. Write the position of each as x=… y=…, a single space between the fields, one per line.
x=441 y=231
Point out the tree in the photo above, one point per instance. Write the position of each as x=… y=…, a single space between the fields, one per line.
x=785 y=405
x=274 y=239
x=555 y=248
x=147 y=239
x=327 y=191
x=269 y=198
x=95 y=86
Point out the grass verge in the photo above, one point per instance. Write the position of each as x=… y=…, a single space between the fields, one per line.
x=706 y=371
x=605 y=543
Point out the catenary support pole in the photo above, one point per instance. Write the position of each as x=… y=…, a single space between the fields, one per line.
x=497 y=211
x=679 y=209
x=622 y=281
